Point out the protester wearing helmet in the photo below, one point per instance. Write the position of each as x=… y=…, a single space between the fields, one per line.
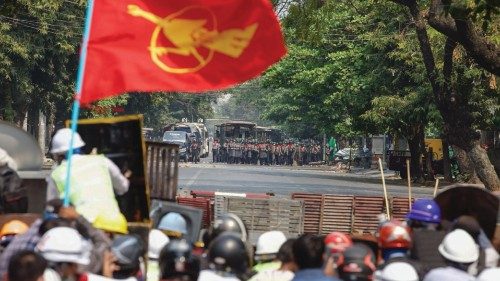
x=424 y=220
x=228 y=259
x=174 y=225
x=226 y=223
x=335 y=245
x=128 y=251
x=267 y=248
x=156 y=242
x=90 y=197
x=308 y=252
x=357 y=263
x=394 y=241
x=10 y=230
x=177 y=262
x=65 y=249
x=460 y=251
x=287 y=267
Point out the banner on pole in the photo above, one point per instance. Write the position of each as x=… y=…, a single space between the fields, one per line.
x=178 y=45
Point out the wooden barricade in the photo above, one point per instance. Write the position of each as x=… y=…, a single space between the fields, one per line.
x=261 y=215
x=400 y=207
x=336 y=213
x=366 y=211
x=312 y=210
x=163 y=169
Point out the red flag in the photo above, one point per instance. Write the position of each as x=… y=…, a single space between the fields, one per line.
x=178 y=45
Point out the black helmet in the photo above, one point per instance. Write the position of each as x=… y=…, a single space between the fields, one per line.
x=357 y=263
x=227 y=222
x=177 y=260
x=128 y=250
x=227 y=253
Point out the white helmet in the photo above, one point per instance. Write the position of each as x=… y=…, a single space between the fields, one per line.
x=399 y=271
x=174 y=222
x=157 y=240
x=458 y=246
x=489 y=274
x=270 y=242
x=64 y=244
x=60 y=141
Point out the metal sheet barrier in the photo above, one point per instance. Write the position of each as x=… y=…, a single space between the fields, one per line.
x=201 y=203
x=163 y=170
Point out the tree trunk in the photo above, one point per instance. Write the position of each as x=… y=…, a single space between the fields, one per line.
x=465 y=166
x=483 y=166
x=415 y=146
x=446 y=161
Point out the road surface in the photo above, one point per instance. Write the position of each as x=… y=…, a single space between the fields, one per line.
x=282 y=181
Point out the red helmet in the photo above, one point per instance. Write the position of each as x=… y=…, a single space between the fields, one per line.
x=394 y=234
x=337 y=242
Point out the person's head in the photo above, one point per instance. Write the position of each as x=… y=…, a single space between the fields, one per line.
x=128 y=251
x=174 y=225
x=226 y=223
x=268 y=245
x=227 y=255
x=425 y=213
x=394 y=239
x=308 y=251
x=470 y=225
x=357 y=263
x=399 y=271
x=459 y=249
x=65 y=249
x=285 y=256
x=156 y=242
x=60 y=143
x=111 y=224
x=337 y=242
x=177 y=262
x=10 y=230
x=26 y=266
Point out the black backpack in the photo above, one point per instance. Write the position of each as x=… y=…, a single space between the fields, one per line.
x=13 y=195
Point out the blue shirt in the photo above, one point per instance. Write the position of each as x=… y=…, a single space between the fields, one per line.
x=312 y=274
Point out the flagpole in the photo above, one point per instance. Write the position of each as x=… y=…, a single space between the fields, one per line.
x=76 y=103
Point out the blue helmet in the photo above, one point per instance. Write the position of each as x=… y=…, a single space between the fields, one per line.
x=425 y=210
x=173 y=222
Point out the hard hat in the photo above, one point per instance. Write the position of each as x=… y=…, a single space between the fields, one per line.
x=5 y=159
x=60 y=141
x=394 y=234
x=14 y=227
x=227 y=253
x=226 y=223
x=128 y=250
x=157 y=240
x=177 y=260
x=270 y=242
x=173 y=222
x=399 y=271
x=111 y=222
x=357 y=263
x=64 y=244
x=458 y=246
x=489 y=274
x=337 y=242
x=425 y=210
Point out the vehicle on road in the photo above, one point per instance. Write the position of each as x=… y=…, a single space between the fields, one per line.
x=180 y=138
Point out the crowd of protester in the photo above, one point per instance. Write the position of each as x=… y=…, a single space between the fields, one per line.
x=76 y=243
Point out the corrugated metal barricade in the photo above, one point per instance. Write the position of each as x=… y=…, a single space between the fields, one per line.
x=400 y=207
x=366 y=211
x=261 y=215
x=312 y=210
x=204 y=204
x=336 y=213
x=163 y=169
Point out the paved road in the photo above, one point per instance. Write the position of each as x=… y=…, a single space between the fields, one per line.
x=280 y=180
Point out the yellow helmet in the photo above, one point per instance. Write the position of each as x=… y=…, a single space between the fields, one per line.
x=115 y=223
x=13 y=227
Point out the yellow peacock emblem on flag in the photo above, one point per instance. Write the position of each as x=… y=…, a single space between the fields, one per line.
x=192 y=38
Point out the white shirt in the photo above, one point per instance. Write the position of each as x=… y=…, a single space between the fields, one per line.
x=119 y=181
x=273 y=275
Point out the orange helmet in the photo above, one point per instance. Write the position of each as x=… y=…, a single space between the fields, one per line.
x=13 y=227
x=394 y=234
x=337 y=242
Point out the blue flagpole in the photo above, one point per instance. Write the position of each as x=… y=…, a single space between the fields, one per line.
x=76 y=104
